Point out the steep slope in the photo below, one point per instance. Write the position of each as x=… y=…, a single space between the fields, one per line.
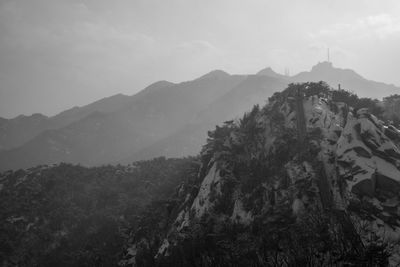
x=304 y=181
x=105 y=137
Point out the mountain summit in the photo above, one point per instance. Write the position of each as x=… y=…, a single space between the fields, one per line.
x=270 y=72
x=347 y=79
x=325 y=65
x=215 y=74
x=311 y=179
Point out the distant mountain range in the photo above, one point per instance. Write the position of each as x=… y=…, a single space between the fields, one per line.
x=164 y=119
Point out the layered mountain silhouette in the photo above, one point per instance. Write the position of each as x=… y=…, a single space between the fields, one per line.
x=106 y=136
x=164 y=119
x=254 y=89
x=17 y=131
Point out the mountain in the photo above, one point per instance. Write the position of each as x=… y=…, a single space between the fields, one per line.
x=101 y=138
x=105 y=105
x=17 y=131
x=306 y=180
x=254 y=89
x=309 y=179
x=14 y=132
x=164 y=119
x=268 y=71
x=348 y=79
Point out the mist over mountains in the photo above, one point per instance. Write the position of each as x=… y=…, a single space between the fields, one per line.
x=309 y=179
x=164 y=119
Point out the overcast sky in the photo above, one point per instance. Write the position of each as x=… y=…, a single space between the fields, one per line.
x=56 y=54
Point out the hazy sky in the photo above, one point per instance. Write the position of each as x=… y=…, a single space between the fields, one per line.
x=56 y=54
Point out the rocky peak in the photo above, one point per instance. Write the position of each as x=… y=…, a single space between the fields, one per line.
x=302 y=162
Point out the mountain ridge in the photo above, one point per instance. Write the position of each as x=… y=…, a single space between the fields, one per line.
x=165 y=96
x=144 y=119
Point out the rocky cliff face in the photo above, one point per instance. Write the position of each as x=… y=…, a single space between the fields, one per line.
x=305 y=180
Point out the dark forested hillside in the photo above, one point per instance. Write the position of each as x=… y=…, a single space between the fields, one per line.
x=69 y=215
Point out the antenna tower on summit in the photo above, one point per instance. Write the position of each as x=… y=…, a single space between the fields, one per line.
x=329 y=59
x=287 y=73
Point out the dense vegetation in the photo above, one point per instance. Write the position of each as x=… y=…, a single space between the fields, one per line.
x=316 y=240
x=69 y=215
